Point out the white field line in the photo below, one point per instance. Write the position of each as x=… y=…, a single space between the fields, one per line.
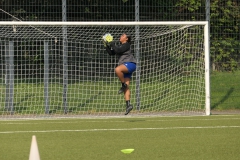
x=72 y=122
x=120 y=129
x=105 y=118
x=215 y=119
x=56 y=121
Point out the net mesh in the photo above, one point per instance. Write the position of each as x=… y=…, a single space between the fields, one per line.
x=65 y=71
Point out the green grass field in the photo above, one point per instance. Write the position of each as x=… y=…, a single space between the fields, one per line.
x=184 y=138
x=99 y=96
x=225 y=90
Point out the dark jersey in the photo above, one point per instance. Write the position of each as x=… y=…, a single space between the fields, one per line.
x=123 y=51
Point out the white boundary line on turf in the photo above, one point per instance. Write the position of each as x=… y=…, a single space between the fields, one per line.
x=61 y=121
x=121 y=129
x=109 y=117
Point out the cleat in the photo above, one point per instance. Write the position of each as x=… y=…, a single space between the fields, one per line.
x=128 y=109
x=122 y=89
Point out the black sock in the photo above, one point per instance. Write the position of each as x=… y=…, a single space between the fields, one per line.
x=124 y=84
x=128 y=103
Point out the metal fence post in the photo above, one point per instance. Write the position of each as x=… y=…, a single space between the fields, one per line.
x=65 y=57
x=9 y=79
x=137 y=53
x=46 y=77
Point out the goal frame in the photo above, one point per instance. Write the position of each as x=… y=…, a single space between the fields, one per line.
x=137 y=23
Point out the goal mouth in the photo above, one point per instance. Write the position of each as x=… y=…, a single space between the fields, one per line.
x=62 y=68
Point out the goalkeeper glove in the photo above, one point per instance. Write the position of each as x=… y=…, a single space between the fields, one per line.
x=107 y=38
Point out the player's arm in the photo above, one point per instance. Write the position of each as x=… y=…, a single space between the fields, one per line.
x=120 y=49
x=110 y=51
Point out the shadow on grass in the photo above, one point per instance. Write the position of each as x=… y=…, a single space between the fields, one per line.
x=160 y=97
x=17 y=106
x=224 y=98
x=87 y=101
x=91 y=98
x=60 y=109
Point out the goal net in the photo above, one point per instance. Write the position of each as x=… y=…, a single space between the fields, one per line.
x=58 y=69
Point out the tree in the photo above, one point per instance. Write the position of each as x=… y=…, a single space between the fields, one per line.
x=225 y=37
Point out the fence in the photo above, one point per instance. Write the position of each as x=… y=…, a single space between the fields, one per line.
x=224 y=18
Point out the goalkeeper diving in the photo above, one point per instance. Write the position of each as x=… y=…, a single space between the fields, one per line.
x=126 y=63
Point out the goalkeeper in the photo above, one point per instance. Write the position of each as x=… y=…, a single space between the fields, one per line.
x=126 y=63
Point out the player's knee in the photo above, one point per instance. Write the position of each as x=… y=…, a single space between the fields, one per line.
x=117 y=70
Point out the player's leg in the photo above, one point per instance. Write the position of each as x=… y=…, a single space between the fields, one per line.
x=120 y=70
x=127 y=94
x=127 y=90
x=127 y=77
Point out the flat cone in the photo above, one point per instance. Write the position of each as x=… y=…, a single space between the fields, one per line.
x=127 y=151
x=34 y=154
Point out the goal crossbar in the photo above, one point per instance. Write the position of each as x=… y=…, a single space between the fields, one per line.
x=149 y=23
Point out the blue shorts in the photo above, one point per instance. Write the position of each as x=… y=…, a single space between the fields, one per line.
x=131 y=68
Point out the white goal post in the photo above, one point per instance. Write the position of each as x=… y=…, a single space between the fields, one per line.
x=59 y=69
